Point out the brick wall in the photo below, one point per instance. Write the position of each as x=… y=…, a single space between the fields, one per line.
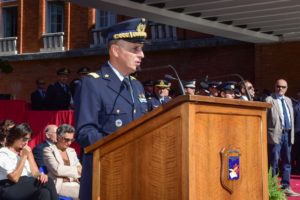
x=30 y=32
x=262 y=64
x=190 y=63
x=280 y=60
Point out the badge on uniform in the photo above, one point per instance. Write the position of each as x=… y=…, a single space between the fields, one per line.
x=142 y=98
x=118 y=123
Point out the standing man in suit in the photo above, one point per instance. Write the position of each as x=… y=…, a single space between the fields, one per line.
x=38 y=97
x=59 y=94
x=280 y=124
x=50 y=134
x=110 y=98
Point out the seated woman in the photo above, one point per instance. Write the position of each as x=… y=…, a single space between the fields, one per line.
x=19 y=174
x=62 y=163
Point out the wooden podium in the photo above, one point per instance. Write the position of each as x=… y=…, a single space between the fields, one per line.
x=174 y=153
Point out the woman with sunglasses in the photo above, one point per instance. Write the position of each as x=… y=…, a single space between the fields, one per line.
x=19 y=174
x=62 y=163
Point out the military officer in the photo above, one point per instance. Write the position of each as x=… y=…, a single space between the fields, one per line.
x=110 y=98
x=58 y=95
x=83 y=71
x=161 y=91
x=189 y=87
x=228 y=90
x=213 y=88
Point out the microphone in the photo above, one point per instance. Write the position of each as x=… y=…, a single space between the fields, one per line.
x=234 y=75
x=170 y=77
x=166 y=67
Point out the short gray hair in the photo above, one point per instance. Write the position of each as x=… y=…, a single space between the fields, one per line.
x=65 y=128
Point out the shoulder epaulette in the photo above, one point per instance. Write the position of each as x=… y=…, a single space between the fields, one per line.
x=132 y=78
x=94 y=75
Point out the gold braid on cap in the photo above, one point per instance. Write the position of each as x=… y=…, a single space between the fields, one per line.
x=140 y=32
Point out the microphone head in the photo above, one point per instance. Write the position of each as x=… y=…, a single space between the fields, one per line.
x=170 y=77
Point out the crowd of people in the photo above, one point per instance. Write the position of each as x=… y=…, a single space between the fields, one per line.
x=110 y=98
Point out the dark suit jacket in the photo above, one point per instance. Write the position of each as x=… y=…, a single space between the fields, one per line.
x=297 y=117
x=38 y=102
x=103 y=105
x=57 y=97
x=38 y=153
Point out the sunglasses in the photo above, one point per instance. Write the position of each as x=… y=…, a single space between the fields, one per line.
x=68 y=139
x=26 y=139
x=280 y=86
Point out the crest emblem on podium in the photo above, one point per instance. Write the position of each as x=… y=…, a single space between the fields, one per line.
x=230 y=168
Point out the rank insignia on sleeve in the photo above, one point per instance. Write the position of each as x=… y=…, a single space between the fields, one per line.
x=106 y=76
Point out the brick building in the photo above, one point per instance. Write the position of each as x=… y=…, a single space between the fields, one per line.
x=38 y=37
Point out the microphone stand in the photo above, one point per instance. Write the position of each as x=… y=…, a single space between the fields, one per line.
x=175 y=72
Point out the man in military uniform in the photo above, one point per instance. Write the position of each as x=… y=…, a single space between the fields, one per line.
x=58 y=95
x=161 y=88
x=149 y=88
x=189 y=87
x=228 y=89
x=38 y=97
x=110 y=98
x=213 y=88
x=83 y=71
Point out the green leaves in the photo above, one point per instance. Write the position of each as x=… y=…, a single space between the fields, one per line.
x=5 y=67
x=275 y=192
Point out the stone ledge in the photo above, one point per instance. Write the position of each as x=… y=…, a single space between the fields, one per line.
x=152 y=46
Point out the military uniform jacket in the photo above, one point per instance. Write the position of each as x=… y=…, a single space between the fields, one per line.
x=38 y=102
x=154 y=102
x=57 y=97
x=103 y=104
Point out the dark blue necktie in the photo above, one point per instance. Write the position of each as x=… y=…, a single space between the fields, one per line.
x=128 y=87
x=287 y=124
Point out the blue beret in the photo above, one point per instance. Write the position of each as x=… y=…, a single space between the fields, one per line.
x=132 y=30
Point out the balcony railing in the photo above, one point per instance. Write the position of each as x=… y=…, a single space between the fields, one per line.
x=159 y=33
x=98 y=39
x=8 y=46
x=162 y=32
x=53 y=42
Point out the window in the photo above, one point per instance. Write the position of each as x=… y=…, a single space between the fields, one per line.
x=10 y=21
x=105 y=19
x=55 y=16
